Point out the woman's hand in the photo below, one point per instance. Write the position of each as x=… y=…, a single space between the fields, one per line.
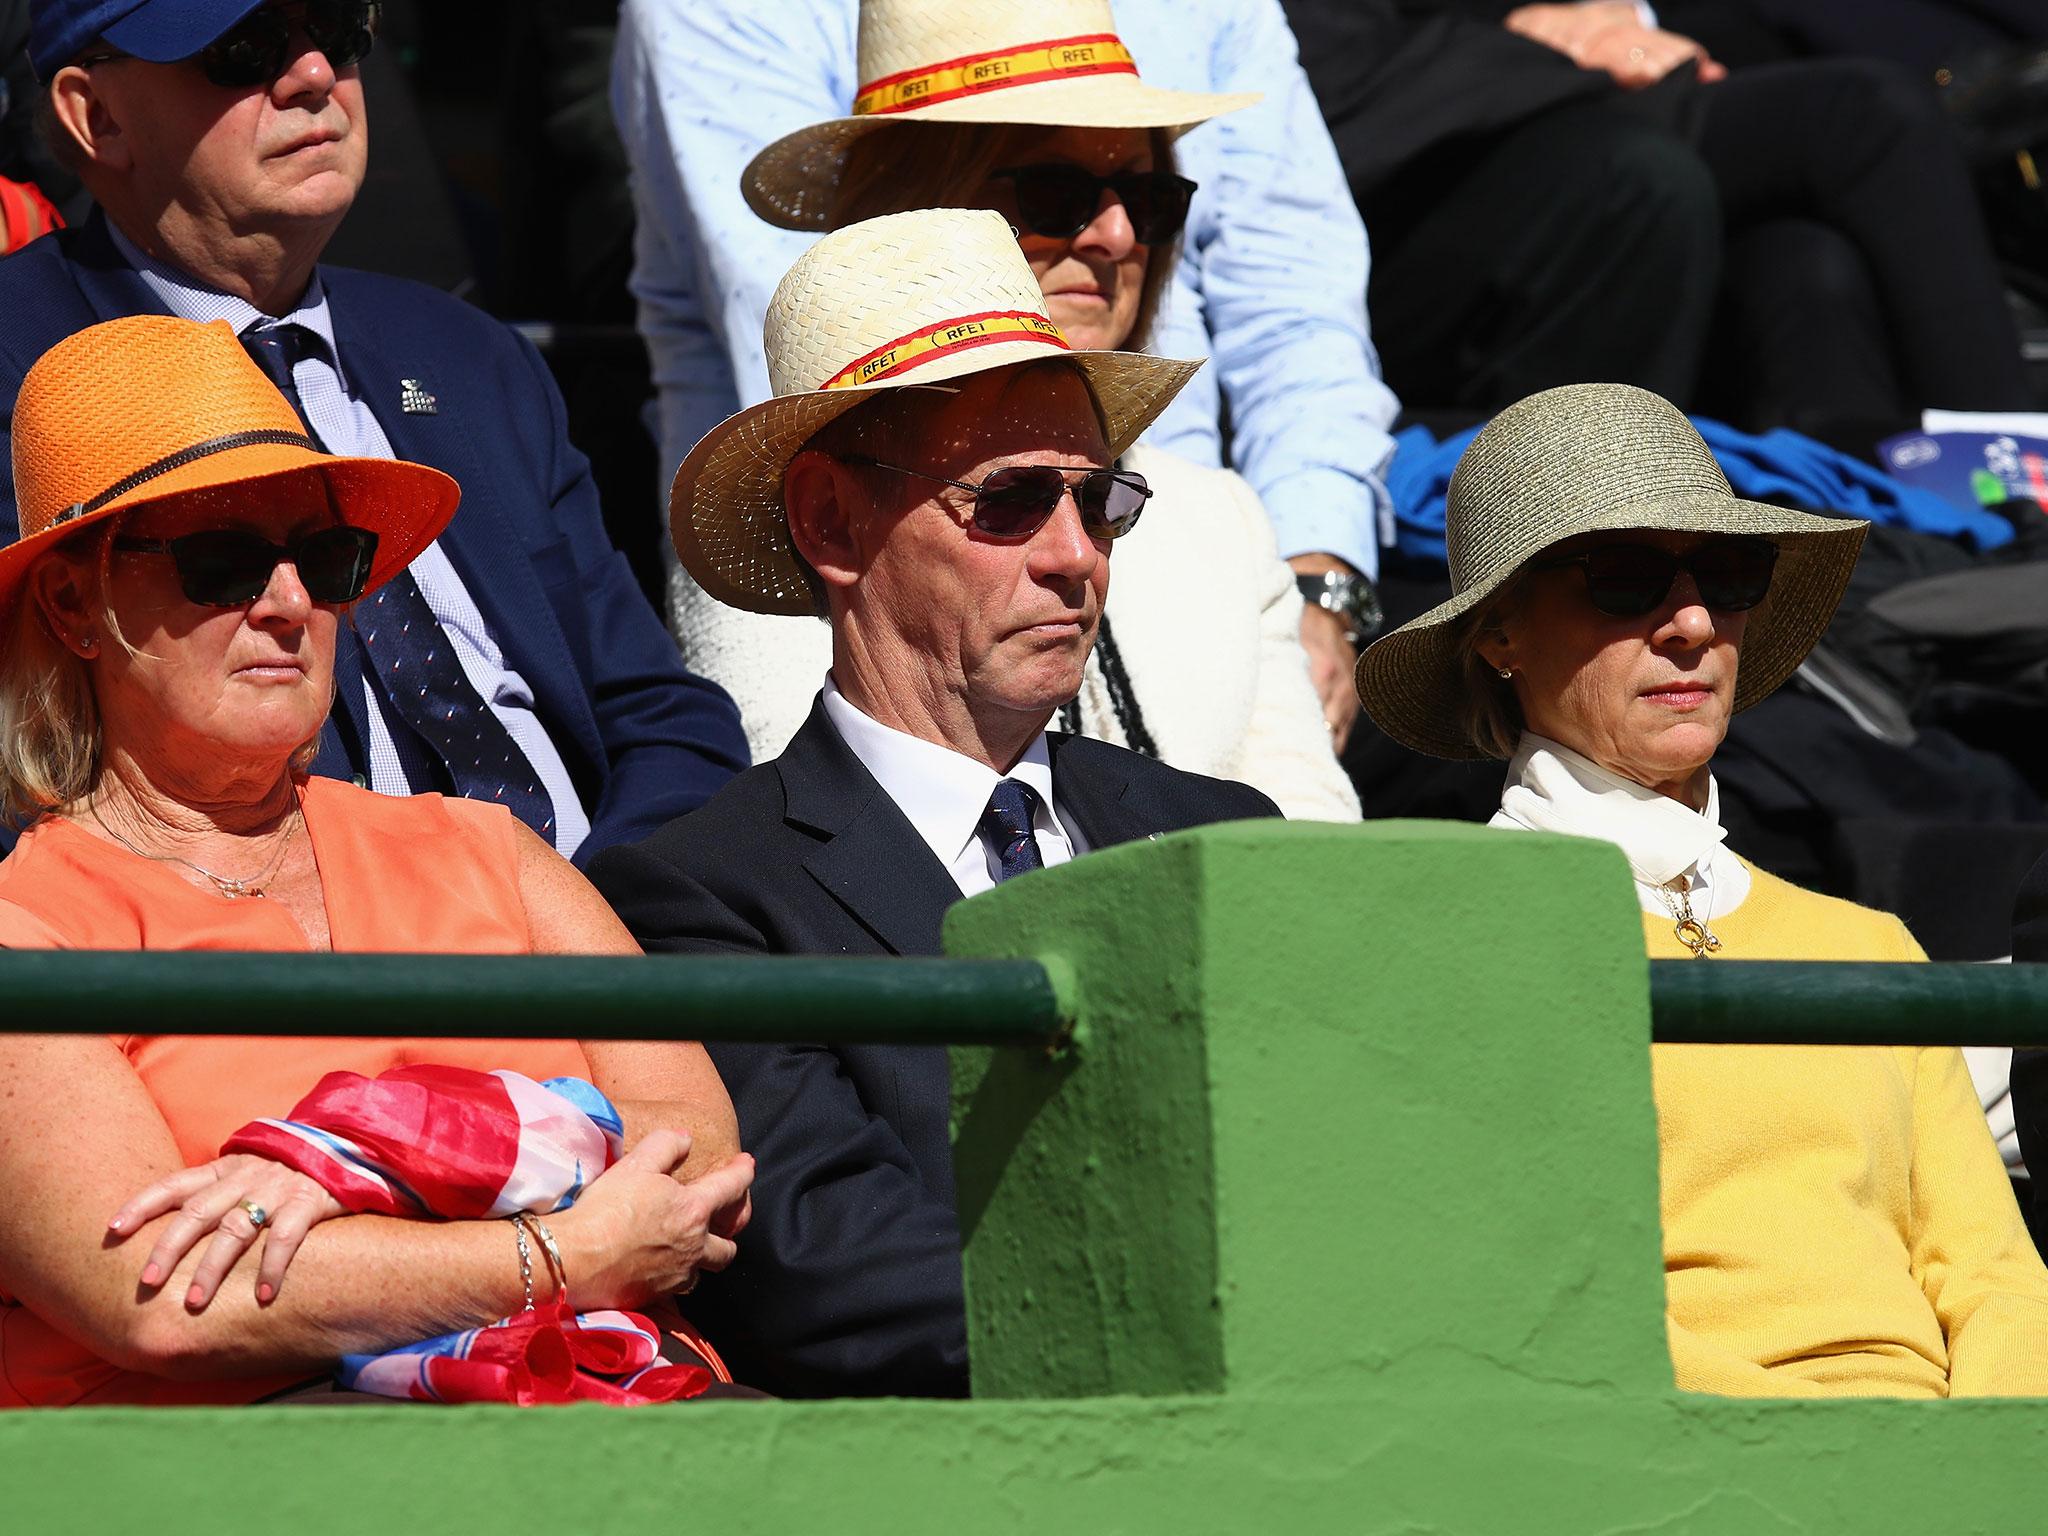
x=209 y=1199
x=1609 y=35
x=638 y=1233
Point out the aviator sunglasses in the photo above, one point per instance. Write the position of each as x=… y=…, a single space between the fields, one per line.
x=1059 y=200
x=255 y=50
x=1627 y=581
x=1017 y=500
x=224 y=568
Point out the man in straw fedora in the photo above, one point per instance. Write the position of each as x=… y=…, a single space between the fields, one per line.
x=1272 y=271
x=934 y=474
x=516 y=659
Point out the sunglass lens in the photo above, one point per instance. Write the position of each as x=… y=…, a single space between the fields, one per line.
x=1055 y=200
x=220 y=569
x=251 y=52
x=1157 y=204
x=344 y=30
x=1735 y=574
x=1015 y=502
x=1111 y=501
x=334 y=563
x=1628 y=580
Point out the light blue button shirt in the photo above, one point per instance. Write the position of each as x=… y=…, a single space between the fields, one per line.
x=1271 y=283
x=345 y=425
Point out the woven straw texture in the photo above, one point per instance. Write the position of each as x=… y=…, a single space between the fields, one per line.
x=1589 y=458
x=117 y=397
x=790 y=182
x=859 y=289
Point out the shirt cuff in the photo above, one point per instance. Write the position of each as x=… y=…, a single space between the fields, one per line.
x=1327 y=512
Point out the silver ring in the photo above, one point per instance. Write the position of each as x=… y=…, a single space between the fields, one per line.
x=257 y=1215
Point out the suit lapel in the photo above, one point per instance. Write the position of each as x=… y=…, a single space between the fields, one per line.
x=1090 y=785
x=485 y=550
x=110 y=287
x=874 y=863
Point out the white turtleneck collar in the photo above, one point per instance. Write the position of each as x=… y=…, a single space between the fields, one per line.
x=1551 y=788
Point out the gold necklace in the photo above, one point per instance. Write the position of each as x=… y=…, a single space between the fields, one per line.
x=1694 y=934
x=230 y=887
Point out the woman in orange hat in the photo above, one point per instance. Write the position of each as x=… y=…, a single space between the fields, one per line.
x=167 y=627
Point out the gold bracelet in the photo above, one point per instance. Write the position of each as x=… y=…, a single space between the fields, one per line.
x=559 y=1270
x=525 y=1262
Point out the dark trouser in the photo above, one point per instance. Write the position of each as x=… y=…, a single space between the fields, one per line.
x=1812 y=253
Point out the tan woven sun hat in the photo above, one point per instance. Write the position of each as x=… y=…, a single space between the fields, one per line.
x=1058 y=63
x=907 y=299
x=141 y=409
x=1589 y=458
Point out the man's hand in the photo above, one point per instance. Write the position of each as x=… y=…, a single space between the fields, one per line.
x=1331 y=657
x=1609 y=35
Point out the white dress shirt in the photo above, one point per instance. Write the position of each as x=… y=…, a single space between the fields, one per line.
x=1551 y=788
x=943 y=793
x=347 y=427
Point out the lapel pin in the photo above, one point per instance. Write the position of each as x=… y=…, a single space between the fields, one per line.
x=414 y=400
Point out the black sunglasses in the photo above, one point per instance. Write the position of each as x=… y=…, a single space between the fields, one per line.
x=224 y=568
x=1058 y=200
x=1627 y=581
x=1018 y=499
x=255 y=50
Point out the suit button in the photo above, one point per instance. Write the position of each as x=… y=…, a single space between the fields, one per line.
x=359 y=781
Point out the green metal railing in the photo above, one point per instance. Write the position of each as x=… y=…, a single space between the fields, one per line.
x=914 y=1002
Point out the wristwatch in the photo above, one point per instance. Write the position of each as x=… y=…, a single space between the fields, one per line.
x=1354 y=599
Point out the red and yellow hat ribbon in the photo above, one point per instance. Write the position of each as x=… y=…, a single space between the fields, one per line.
x=1065 y=58
x=943 y=340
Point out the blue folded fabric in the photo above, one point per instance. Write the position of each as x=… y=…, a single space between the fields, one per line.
x=1781 y=466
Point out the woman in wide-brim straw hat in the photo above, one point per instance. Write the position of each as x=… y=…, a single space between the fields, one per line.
x=1039 y=114
x=167 y=627
x=1836 y=1221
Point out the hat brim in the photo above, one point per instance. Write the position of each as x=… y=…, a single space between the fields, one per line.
x=406 y=505
x=790 y=182
x=1411 y=680
x=725 y=504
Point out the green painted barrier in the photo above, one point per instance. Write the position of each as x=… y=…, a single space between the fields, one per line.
x=1338 y=1213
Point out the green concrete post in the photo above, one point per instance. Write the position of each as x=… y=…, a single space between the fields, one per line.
x=1344 y=1105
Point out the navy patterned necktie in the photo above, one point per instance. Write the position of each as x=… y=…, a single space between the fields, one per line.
x=414 y=661
x=1006 y=827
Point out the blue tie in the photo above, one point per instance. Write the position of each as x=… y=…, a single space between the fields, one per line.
x=413 y=660
x=1006 y=827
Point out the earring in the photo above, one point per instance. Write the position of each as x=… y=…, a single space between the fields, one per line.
x=1505 y=672
x=88 y=644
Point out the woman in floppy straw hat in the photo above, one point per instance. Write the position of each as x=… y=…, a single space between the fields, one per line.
x=1837 y=1221
x=1200 y=659
x=167 y=623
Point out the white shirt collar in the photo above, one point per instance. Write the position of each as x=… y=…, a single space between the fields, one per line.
x=942 y=792
x=1551 y=788
x=189 y=299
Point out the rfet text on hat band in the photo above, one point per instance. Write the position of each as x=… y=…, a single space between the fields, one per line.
x=1099 y=53
x=944 y=339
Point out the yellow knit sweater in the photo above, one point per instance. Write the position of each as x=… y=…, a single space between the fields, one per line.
x=1837 y=1221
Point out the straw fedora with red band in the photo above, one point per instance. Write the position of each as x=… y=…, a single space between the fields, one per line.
x=1057 y=63
x=136 y=410
x=908 y=299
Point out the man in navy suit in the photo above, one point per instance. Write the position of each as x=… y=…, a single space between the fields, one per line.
x=952 y=514
x=224 y=141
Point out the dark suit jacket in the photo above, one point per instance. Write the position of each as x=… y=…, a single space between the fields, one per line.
x=643 y=738
x=848 y=1281
x=2030 y=1067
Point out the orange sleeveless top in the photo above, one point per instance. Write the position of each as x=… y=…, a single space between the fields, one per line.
x=422 y=875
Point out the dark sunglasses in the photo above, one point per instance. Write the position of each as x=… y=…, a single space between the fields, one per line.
x=1017 y=500
x=1059 y=200
x=255 y=50
x=224 y=568
x=1627 y=581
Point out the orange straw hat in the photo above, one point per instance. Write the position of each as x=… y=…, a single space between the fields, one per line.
x=1056 y=63
x=136 y=410
x=906 y=299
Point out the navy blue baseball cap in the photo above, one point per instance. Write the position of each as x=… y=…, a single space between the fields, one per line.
x=157 y=30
